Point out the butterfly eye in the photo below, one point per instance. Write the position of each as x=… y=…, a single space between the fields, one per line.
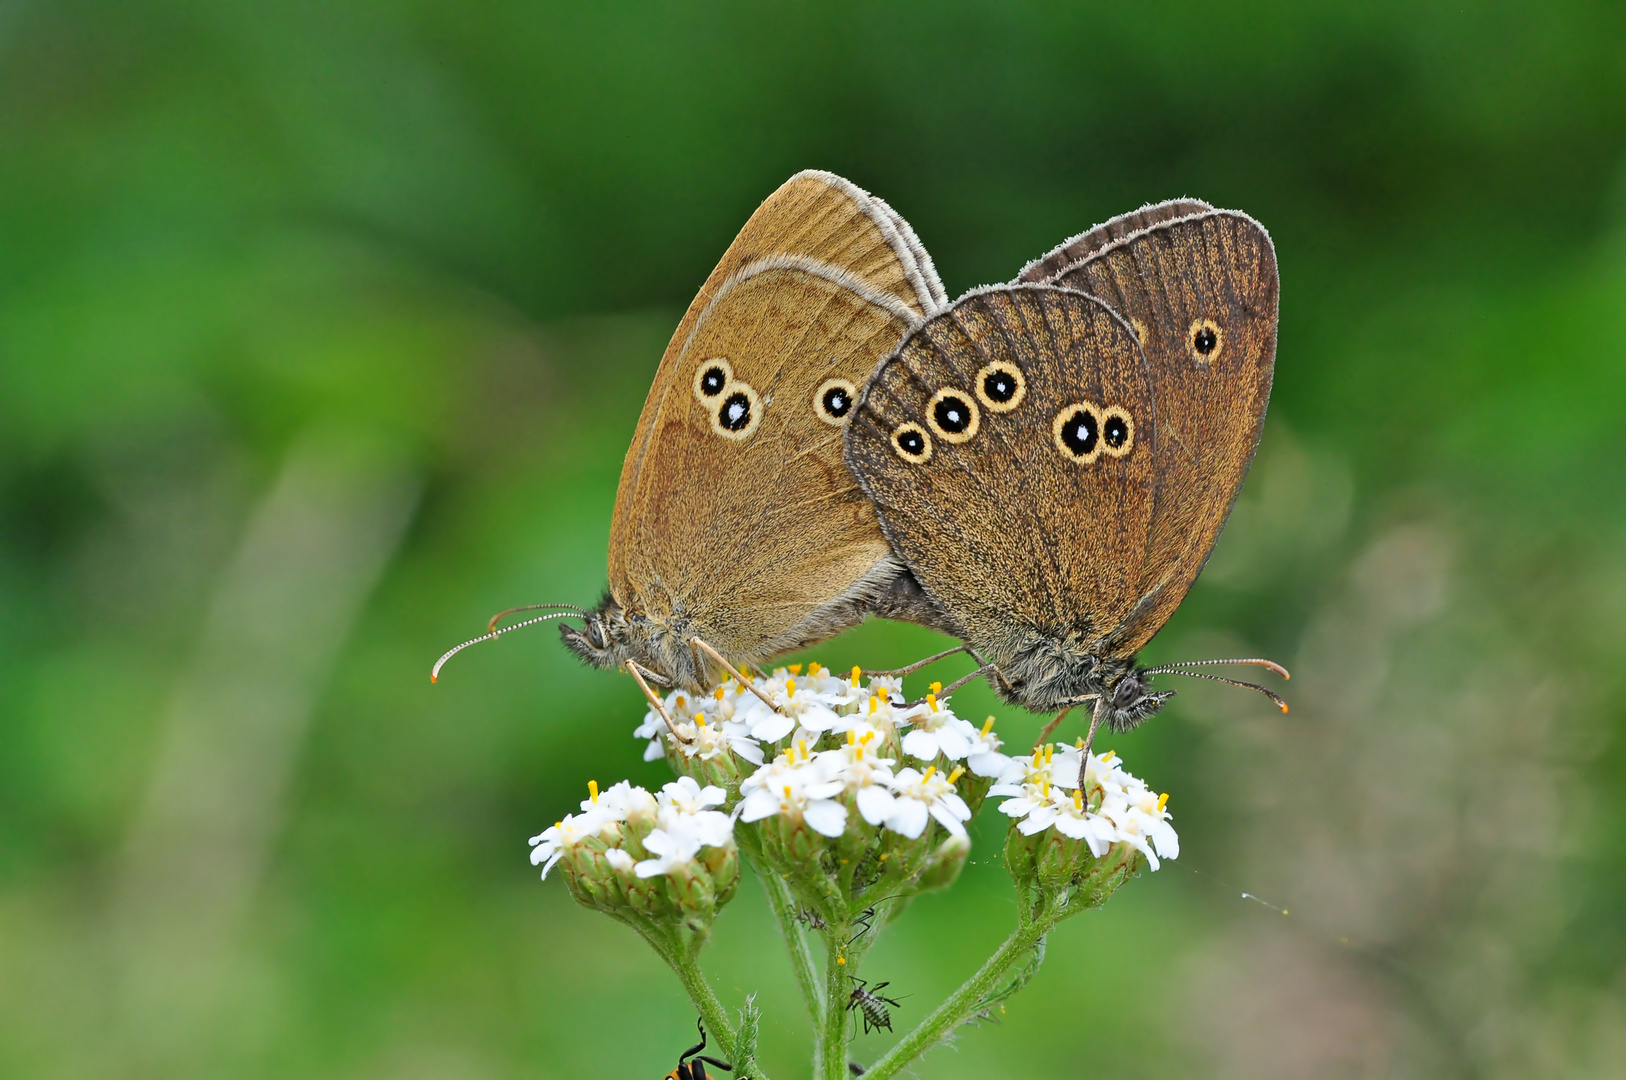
x=1117 y=432
x=833 y=400
x=1207 y=341
x=953 y=416
x=1001 y=386
x=737 y=415
x=912 y=443
x=1077 y=431
x=710 y=379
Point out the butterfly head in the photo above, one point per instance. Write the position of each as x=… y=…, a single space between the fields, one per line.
x=604 y=642
x=1131 y=701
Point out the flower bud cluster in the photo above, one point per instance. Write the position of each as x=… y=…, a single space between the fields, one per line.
x=851 y=794
x=842 y=778
x=669 y=856
x=1090 y=839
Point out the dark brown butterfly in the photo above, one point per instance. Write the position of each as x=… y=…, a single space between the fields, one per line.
x=1054 y=458
x=738 y=531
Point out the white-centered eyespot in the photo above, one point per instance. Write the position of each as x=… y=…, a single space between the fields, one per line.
x=953 y=416
x=1077 y=431
x=834 y=400
x=1206 y=340
x=1117 y=431
x=738 y=411
x=911 y=443
x=710 y=378
x=1001 y=386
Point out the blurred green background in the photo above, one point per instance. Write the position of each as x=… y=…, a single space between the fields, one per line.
x=324 y=327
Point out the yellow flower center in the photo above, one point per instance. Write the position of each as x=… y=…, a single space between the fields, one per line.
x=592 y=790
x=857 y=671
x=931 y=700
x=790 y=687
x=989 y=726
x=1162 y=801
x=936 y=688
x=959 y=771
x=1078 y=799
x=796 y=669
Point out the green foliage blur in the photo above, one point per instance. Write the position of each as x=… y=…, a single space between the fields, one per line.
x=323 y=330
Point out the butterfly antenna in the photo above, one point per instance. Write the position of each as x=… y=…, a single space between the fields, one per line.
x=501 y=615
x=1280 y=704
x=1255 y=661
x=492 y=635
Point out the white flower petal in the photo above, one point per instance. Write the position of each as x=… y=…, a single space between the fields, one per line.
x=772 y=727
x=875 y=804
x=920 y=744
x=825 y=817
x=988 y=763
x=908 y=818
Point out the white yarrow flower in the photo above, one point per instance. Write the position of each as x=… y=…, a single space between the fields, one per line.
x=796 y=706
x=934 y=730
x=864 y=776
x=918 y=795
x=685 y=823
x=1129 y=813
x=799 y=787
x=985 y=759
x=550 y=845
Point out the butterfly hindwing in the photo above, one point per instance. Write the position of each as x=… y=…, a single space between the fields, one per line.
x=1203 y=281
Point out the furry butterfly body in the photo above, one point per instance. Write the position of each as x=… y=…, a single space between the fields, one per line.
x=1054 y=459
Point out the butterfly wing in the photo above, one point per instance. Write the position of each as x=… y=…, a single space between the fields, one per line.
x=735 y=516
x=1186 y=284
x=1085 y=244
x=1008 y=525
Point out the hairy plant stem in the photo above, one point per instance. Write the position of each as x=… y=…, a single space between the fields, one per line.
x=682 y=957
x=964 y=1002
x=831 y=1052
x=801 y=956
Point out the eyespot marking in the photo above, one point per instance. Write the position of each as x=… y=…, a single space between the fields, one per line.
x=953 y=416
x=1117 y=431
x=1077 y=431
x=1001 y=386
x=1206 y=340
x=833 y=401
x=738 y=413
x=912 y=444
x=711 y=378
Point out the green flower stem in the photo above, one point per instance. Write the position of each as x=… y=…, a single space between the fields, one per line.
x=962 y=1004
x=830 y=1059
x=801 y=956
x=685 y=964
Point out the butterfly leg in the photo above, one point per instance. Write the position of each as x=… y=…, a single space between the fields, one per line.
x=918 y=664
x=637 y=671
x=957 y=683
x=1084 y=757
x=1050 y=728
x=700 y=643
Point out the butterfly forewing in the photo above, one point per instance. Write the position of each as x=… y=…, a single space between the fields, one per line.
x=1010 y=527
x=1201 y=292
x=1075 y=250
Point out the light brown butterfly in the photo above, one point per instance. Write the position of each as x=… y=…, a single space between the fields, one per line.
x=1054 y=458
x=738 y=531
